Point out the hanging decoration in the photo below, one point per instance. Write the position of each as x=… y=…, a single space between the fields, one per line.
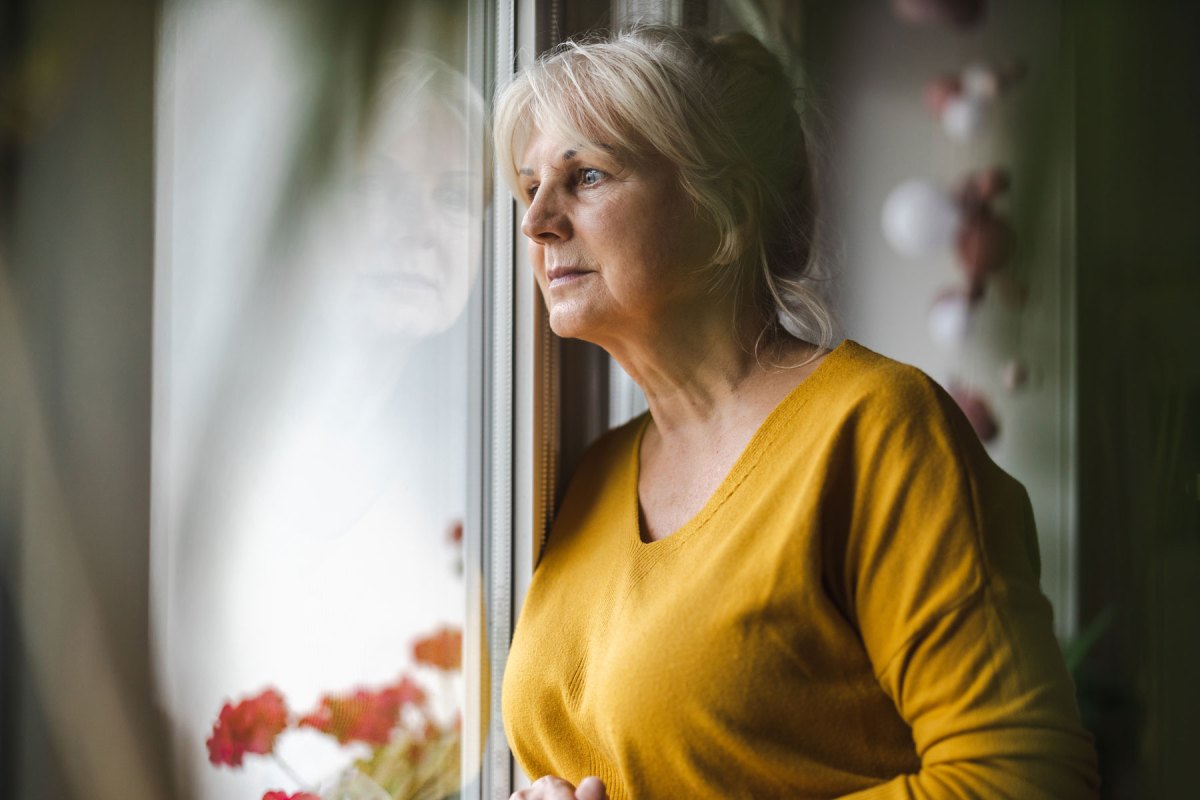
x=923 y=220
x=958 y=13
x=963 y=102
x=920 y=219
x=950 y=318
x=978 y=412
x=985 y=241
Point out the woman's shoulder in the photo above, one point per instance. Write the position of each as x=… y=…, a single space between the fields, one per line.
x=864 y=381
x=884 y=408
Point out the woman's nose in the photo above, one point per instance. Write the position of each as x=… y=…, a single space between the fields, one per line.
x=545 y=220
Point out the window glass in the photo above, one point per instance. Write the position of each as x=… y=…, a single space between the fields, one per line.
x=320 y=216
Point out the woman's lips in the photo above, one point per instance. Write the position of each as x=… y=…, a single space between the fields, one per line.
x=561 y=276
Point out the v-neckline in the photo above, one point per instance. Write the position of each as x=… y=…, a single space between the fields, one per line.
x=779 y=416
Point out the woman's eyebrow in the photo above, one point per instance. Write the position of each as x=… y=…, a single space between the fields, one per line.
x=568 y=155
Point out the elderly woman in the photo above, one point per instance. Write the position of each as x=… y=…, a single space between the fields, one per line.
x=799 y=575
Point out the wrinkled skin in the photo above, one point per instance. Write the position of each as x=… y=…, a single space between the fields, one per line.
x=549 y=787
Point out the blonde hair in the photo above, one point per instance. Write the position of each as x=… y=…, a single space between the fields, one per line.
x=721 y=110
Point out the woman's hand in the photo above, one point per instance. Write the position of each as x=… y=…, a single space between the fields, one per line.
x=552 y=788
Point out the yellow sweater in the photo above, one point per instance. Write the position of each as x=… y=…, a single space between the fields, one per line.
x=856 y=609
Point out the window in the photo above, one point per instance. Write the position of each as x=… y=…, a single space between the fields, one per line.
x=320 y=353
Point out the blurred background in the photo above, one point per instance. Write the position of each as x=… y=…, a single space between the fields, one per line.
x=253 y=281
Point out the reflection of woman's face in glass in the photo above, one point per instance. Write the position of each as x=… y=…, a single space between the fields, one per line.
x=416 y=217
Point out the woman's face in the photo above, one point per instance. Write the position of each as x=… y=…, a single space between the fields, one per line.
x=616 y=248
x=418 y=207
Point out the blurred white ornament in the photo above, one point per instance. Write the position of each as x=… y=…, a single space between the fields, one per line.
x=964 y=116
x=919 y=219
x=980 y=80
x=950 y=318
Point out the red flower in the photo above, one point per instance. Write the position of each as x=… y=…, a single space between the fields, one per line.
x=278 y=795
x=442 y=649
x=249 y=727
x=364 y=715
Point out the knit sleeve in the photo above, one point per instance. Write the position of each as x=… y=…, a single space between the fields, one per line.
x=940 y=575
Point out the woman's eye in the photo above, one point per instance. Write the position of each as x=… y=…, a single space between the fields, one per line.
x=451 y=196
x=590 y=176
x=530 y=191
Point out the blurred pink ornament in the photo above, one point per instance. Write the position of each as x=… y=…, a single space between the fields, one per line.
x=940 y=91
x=977 y=411
x=1015 y=375
x=962 y=102
x=959 y=13
x=985 y=244
x=950 y=318
x=919 y=219
x=983 y=187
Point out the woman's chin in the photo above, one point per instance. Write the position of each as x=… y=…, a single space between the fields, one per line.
x=569 y=323
x=408 y=318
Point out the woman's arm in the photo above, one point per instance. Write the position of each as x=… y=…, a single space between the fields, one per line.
x=991 y=708
x=941 y=573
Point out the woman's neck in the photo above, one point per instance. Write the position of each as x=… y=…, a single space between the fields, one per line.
x=699 y=377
